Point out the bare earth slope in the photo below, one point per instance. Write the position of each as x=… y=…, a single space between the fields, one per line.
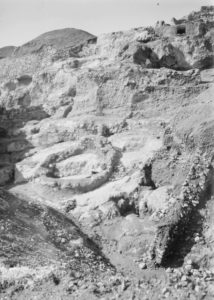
x=106 y=164
x=59 y=39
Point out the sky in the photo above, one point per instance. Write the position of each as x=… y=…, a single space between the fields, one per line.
x=23 y=20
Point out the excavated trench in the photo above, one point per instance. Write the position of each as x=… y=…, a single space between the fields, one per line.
x=183 y=244
x=175 y=238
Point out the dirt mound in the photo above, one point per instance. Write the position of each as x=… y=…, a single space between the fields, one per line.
x=58 y=39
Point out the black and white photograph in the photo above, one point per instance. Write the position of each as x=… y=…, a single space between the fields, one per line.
x=106 y=149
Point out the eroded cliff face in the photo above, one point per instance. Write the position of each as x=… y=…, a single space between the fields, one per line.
x=116 y=133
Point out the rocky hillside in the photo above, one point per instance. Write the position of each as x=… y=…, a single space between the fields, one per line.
x=6 y=51
x=106 y=164
x=58 y=39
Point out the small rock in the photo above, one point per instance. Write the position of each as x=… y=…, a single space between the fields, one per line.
x=188 y=268
x=168 y=270
x=142 y=266
x=197 y=239
x=196 y=273
x=197 y=289
x=164 y=290
x=189 y=262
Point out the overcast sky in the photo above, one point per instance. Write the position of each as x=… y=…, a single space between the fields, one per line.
x=23 y=20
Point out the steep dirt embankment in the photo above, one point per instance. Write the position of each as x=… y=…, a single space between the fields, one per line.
x=38 y=243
